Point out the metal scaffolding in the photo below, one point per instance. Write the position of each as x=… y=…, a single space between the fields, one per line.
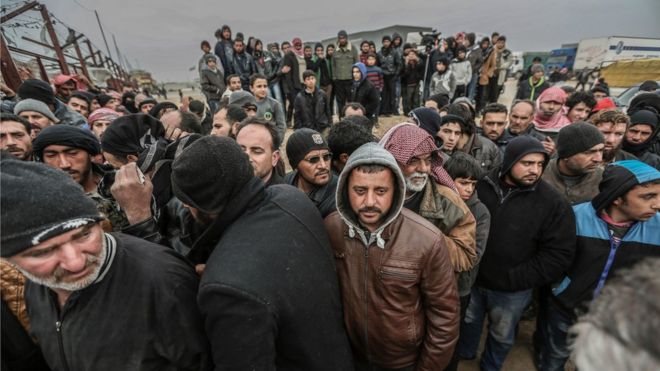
x=79 y=63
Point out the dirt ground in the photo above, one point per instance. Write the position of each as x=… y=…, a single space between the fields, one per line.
x=520 y=357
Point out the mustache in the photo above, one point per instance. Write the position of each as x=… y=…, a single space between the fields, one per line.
x=91 y=260
x=322 y=172
x=370 y=209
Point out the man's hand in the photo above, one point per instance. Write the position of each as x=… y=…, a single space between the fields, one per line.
x=132 y=190
x=286 y=69
x=549 y=145
x=173 y=133
x=7 y=90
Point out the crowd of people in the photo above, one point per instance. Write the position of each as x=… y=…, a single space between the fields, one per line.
x=139 y=234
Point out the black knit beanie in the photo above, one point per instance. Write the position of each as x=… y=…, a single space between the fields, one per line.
x=619 y=178
x=36 y=89
x=132 y=134
x=576 y=138
x=210 y=172
x=301 y=142
x=645 y=117
x=517 y=148
x=39 y=203
x=65 y=135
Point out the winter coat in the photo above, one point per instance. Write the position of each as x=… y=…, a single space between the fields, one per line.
x=68 y=116
x=141 y=314
x=213 y=83
x=593 y=250
x=270 y=109
x=244 y=66
x=311 y=110
x=484 y=151
x=443 y=84
x=532 y=235
x=412 y=73
x=476 y=58
x=462 y=71
x=398 y=287
x=366 y=94
x=323 y=197
x=584 y=191
x=342 y=62
x=269 y=293
x=467 y=278
x=507 y=136
x=291 y=80
x=446 y=210
x=528 y=90
x=389 y=62
x=225 y=51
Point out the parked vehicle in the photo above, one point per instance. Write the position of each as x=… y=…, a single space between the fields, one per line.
x=599 y=52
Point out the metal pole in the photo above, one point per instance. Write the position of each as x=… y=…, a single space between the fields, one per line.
x=103 y=33
x=56 y=42
x=117 y=50
x=9 y=70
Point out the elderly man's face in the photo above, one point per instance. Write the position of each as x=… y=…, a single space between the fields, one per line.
x=416 y=172
x=68 y=262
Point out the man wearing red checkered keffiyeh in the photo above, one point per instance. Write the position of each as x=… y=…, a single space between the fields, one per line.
x=436 y=198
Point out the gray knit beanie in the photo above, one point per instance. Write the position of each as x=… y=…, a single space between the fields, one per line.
x=209 y=172
x=39 y=203
x=35 y=106
x=577 y=137
x=301 y=142
x=242 y=98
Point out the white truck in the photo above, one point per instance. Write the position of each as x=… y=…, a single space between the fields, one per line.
x=601 y=51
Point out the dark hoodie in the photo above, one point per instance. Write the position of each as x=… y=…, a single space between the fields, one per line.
x=365 y=93
x=532 y=229
x=643 y=150
x=225 y=51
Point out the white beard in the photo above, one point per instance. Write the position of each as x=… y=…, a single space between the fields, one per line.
x=416 y=186
x=54 y=282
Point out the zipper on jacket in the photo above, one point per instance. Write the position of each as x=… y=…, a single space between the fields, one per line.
x=404 y=276
x=60 y=343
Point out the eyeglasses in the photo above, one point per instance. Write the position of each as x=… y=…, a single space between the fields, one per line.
x=251 y=108
x=315 y=159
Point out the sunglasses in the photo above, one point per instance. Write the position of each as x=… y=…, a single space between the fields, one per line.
x=251 y=108
x=315 y=159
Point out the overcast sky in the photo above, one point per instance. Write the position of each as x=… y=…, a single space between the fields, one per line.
x=164 y=35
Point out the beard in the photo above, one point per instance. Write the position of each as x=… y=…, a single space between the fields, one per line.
x=55 y=280
x=416 y=185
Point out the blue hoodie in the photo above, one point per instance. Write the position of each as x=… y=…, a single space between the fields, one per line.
x=363 y=71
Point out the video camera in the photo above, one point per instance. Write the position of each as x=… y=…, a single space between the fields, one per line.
x=429 y=39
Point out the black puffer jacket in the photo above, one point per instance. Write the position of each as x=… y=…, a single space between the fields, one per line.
x=311 y=111
x=270 y=293
x=389 y=61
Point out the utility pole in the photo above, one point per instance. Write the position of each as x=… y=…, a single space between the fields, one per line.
x=121 y=63
x=103 y=33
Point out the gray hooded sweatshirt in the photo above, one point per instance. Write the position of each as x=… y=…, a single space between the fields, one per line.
x=369 y=154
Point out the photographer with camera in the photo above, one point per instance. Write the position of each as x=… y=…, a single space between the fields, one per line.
x=434 y=50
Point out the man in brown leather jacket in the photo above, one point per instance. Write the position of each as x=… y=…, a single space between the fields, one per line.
x=398 y=287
